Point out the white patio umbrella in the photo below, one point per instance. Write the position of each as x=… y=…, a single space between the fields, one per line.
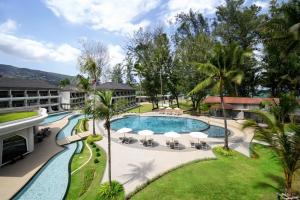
x=198 y=135
x=146 y=133
x=172 y=134
x=124 y=130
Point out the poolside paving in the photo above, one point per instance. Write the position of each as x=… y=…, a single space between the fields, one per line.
x=14 y=176
x=133 y=164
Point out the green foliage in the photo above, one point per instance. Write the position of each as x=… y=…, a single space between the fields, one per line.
x=97 y=149
x=64 y=82
x=93 y=138
x=113 y=192
x=117 y=73
x=223 y=152
x=87 y=180
x=98 y=154
x=6 y=117
x=96 y=161
x=94 y=146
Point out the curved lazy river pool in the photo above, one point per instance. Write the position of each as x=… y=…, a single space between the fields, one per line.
x=162 y=124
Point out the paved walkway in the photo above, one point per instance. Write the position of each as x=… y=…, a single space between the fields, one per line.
x=14 y=176
x=133 y=166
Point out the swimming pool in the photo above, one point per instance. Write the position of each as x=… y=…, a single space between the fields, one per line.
x=51 y=182
x=162 y=124
x=54 y=117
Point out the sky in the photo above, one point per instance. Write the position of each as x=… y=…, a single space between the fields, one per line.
x=45 y=34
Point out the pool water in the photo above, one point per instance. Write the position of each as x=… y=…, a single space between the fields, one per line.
x=52 y=180
x=54 y=118
x=160 y=124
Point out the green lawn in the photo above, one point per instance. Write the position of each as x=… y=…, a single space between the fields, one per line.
x=15 y=116
x=143 y=108
x=85 y=182
x=236 y=177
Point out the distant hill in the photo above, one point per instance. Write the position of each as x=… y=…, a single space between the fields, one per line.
x=9 y=71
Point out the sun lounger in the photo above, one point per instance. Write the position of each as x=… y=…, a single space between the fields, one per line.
x=176 y=144
x=168 y=143
x=192 y=144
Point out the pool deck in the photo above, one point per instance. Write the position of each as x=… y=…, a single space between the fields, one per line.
x=14 y=176
x=133 y=165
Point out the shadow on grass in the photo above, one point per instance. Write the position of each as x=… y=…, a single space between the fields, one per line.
x=278 y=183
x=139 y=172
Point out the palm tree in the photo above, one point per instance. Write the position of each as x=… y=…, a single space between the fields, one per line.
x=90 y=67
x=105 y=111
x=221 y=71
x=285 y=140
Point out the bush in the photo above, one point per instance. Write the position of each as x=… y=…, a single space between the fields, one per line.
x=91 y=143
x=94 y=146
x=96 y=160
x=115 y=192
x=98 y=154
x=223 y=152
x=94 y=138
x=87 y=180
x=97 y=149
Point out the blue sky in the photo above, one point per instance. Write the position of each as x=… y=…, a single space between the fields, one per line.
x=45 y=34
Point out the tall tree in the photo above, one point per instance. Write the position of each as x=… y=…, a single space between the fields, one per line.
x=117 y=73
x=238 y=23
x=64 y=82
x=129 y=71
x=193 y=44
x=281 y=64
x=93 y=59
x=105 y=110
x=221 y=72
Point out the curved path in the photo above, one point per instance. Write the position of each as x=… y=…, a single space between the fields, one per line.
x=90 y=157
x=133 y=166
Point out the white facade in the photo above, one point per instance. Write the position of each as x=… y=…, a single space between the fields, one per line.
x=72 y=99
x=19 y=130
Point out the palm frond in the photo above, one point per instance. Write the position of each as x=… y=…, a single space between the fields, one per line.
x=201 y=86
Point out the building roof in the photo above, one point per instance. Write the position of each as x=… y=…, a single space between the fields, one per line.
x=238 y=100
x=14 y=83
x=114 y=86
x=71 y=88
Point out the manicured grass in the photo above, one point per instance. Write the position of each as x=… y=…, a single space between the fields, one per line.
x=142 y=109
x=85 y=183
x=15 y=116
x=231 y=177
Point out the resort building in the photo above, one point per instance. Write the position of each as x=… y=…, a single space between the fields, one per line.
x=17 y=137
x=22 y=94
x=123 y=94
x=72 y=98
x=237 y=107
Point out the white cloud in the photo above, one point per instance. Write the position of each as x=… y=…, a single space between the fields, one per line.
x=111 y=15
x=262 y=4
x=8 y=26
x=173 y=7
x=116 y=54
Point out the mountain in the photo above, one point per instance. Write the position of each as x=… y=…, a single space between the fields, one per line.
x=9 y=71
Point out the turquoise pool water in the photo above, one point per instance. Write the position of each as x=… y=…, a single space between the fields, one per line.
x=51 y=182
x=159 y=124
x=163 y=124
x=54 y=117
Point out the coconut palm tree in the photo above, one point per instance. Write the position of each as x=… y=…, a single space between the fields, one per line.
x=105 y=110
x=222 y=70
x=90 y=67
x=284 y=139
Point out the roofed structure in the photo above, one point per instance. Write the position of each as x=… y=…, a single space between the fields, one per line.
x=114 y=86
x=14 y=83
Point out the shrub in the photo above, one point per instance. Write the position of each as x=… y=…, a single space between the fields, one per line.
x=96 y=160
x=87 y=180
x=97 y=149
x=98 y=154
x=223 y=152
x=94 y=146
x=91 y=143
x=115 y=192
x=94 y=138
